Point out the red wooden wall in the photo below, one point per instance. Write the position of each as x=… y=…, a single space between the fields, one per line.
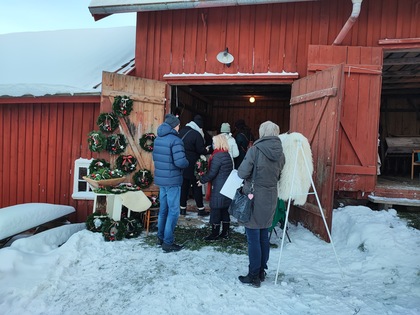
x=262 y=38
x=41 y=139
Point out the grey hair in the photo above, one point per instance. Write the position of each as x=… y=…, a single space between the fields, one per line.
x=269 y=128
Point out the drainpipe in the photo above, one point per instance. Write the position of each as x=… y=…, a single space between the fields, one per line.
x=351 y=20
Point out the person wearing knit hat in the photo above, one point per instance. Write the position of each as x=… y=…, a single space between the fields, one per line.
x=172 y=120
x=170 y=161
x=233 y=146
x=193 y=137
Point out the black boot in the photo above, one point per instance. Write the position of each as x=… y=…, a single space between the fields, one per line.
x=225 y=230
x=215 y=229
x=253 y=280
x=262 y=274
x=182 y=210
x=202 y=212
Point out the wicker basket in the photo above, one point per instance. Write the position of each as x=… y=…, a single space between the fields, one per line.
x=104 y=182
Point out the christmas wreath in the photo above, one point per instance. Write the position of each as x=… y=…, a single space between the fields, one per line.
x=126 y=163
x=107 y=122
x=96 y=141
x=95 y=221
x=116 y=144
x=113 y=230
x=116 y=190
x=143 y=178
x=133 y=227
x=105 y=173
x=147 y=141
x=122 y=106
x=155 y=201
x=98 y=164
x=200 y=167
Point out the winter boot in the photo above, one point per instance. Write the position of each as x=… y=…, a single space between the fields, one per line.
x=202 y=212
x=253 y=280
x=183 y=210
x=225 y=230
x=262 y=274
x=215 y=229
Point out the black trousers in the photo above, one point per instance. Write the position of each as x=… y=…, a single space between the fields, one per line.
x=197 y=193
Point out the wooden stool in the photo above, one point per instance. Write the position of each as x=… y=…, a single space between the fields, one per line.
x=151 y=216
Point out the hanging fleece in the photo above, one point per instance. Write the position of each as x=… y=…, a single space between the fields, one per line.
x=302 y=181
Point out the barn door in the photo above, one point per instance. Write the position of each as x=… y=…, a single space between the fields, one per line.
x=315 y=113
x=357 y=155
x=148 y=112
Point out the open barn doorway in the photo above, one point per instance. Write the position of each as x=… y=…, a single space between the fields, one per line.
x=218 y=104
x=399 y=126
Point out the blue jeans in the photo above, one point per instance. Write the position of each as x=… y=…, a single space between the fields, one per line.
x=258 y=249
x=168 y=212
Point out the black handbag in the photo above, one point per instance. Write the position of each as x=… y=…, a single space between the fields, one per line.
x=242 y=205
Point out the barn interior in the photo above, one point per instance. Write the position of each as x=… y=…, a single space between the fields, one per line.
x=399 y=113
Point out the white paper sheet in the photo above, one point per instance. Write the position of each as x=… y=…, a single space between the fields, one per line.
x=233 y=182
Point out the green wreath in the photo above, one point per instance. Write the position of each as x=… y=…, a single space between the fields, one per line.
x=133 y=227
x=200 y=167
x=95 y=221
x=107 y=122
x=126 y=163
x=116 y=190
x=147 y=141
x=113 y=230
x=143 y=178
x=116 y=144
x=98 y=164
x=105 y=173
x=122 y=106
x=96 y=141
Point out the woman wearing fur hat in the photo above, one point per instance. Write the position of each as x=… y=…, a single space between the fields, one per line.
x=193 y=137
x=266 y=159
x=220 y=166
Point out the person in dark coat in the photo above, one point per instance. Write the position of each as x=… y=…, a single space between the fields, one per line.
x=169 y=161
x=193 y=137
x=220 y=166
x=243 y=136
x=268 y=164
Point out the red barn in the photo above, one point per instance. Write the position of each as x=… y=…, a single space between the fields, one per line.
x=343 y=73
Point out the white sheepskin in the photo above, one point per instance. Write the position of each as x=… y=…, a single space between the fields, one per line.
x=302 y=181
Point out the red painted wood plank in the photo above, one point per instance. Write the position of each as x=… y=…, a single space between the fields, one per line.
x=178 y=43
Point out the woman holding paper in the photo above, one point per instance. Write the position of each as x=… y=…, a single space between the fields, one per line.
x=267 y=165
x=219 y=168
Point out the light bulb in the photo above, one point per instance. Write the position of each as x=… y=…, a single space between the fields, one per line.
x=252 y=99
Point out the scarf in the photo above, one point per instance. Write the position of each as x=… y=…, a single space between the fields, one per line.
x=208 y=192
x=194 y=126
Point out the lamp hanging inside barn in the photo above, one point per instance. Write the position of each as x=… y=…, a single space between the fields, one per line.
x=225 y=58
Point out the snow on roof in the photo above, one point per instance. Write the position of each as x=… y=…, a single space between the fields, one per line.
x=63 y=61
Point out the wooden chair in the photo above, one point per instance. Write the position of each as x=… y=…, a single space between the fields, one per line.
x=151 y=216
x=414 y=161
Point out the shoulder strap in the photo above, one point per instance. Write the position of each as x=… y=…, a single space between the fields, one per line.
x=185 y=134
x=254 y=170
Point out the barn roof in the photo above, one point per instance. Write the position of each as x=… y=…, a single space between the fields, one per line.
x=102 y=8
x=63 y=62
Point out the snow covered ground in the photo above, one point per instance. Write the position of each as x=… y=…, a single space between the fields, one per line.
x=378 y=253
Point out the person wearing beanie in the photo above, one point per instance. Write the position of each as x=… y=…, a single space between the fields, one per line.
x=233 y=146
x=169 y=161
x=266 y=158
x=244 y=138
x=192 y=136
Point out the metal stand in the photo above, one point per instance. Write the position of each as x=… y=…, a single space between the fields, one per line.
x=300 y=150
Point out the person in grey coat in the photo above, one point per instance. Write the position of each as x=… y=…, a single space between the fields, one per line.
x=266 y=158
x=220 y=166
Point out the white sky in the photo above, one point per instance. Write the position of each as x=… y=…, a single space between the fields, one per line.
x=378 y=253
x=43 y=15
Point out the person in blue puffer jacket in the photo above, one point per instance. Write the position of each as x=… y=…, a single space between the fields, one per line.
x=169 y=161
